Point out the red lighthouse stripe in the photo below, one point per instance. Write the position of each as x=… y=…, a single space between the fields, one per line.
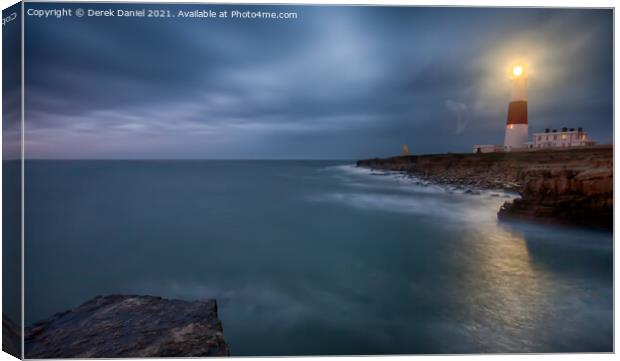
x=517 y=112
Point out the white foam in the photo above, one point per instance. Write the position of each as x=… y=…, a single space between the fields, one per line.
x=378 y=179
x=402 y=181
x=398 y=192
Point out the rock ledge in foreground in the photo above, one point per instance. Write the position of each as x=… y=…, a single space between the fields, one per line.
x=129 y=326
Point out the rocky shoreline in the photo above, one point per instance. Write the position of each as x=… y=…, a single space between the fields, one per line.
x=129 y=326
x=562 y=186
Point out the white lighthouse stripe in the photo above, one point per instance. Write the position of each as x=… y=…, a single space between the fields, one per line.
x=519 y=89
x=516 y=136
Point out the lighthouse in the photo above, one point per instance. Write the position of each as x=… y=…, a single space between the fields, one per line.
x=516 y=123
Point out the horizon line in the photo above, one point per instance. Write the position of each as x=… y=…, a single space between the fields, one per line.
x=190 y=159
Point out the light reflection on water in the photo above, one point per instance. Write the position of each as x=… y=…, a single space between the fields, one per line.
x=316 y=257
x=503 y=296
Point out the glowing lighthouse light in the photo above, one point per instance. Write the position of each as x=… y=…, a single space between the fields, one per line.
x=517 y=71
x=516 y=123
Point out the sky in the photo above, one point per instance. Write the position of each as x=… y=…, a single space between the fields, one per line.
x=335 y=83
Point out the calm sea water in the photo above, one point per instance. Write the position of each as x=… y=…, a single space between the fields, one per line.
x=312 y=257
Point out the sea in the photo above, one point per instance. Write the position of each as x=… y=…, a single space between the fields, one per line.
x=315 y=257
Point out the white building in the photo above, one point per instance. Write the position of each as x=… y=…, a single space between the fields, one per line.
x=550 y=138
x=487 y=148
x=560 y=139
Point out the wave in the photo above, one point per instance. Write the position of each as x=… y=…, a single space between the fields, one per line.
x=378 y=179
x=399 y=192
x=402 y=181
x=449 y=207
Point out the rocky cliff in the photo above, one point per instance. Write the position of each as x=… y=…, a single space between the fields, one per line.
x=129 y=326
x=570 y=186
x=569 y=195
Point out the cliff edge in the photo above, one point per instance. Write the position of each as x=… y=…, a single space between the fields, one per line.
x=566 y=186
x=129 y=326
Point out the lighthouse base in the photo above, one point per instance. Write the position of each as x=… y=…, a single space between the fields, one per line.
x=516 y=137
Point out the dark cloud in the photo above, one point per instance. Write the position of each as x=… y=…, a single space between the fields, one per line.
x=339 y=82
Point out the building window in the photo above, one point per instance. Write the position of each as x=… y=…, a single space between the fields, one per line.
x=564 y=136
x=555 y=137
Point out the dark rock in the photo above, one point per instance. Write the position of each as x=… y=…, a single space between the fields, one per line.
x=129 y=326
x=473 y=192
x=11 y=337
x=565 y=195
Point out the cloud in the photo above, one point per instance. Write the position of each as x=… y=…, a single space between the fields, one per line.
x=460 y=110
x=339 y=82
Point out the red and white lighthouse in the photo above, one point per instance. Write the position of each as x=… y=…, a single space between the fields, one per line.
x=516 y=124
